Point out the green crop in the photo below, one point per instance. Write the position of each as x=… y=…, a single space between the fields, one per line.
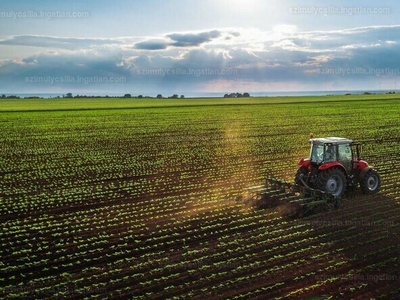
x=130 y=198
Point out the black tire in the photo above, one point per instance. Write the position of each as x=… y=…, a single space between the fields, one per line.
x=301 y=171
x=371 y=182
x=332 y=181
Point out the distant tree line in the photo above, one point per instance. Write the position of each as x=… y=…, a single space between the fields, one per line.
x=159 y=96
x=236 y=95
x=9 y=97
x=70 y=96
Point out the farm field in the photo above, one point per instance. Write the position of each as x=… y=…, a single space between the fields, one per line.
x=137 y=199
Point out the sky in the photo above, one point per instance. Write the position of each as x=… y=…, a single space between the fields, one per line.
x=193 y=47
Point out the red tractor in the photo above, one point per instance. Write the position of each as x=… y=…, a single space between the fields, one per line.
x=335 y=165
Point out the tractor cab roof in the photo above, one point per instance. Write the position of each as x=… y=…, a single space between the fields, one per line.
x=330 y=140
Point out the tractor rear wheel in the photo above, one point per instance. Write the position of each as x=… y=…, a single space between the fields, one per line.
x=301 y=172
x=371 y=182
x=332 y=181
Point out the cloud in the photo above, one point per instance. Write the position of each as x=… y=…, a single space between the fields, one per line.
x=152 y=45
x=57 y=42
x=351 y=37
x=184 y=40
x=193 y=39
x=198 y=60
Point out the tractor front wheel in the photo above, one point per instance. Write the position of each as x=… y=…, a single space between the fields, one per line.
x=371 y=182
x=332 y=181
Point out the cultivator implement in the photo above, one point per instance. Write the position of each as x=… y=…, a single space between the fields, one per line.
x=291 y=199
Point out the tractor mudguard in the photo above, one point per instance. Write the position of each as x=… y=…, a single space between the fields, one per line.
x=362 y=164
x=331 y=165
x=304 y=162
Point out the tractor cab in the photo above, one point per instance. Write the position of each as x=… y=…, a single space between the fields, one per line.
x=330 y=150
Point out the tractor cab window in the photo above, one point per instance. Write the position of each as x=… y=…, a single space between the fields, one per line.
x=317 y=153
x=345 y=156
x=330 y=153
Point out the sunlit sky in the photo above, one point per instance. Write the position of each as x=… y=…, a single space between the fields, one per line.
x=193 y=47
